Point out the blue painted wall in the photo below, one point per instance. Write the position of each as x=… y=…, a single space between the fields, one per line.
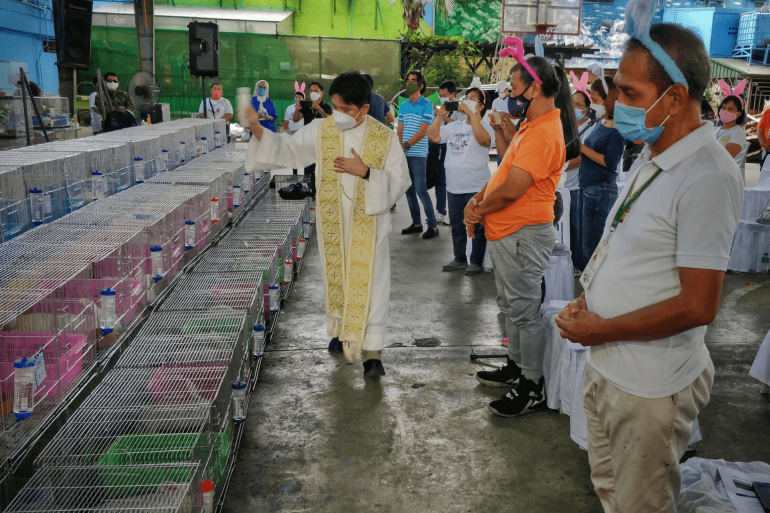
x=716 y=27
x=23 y=28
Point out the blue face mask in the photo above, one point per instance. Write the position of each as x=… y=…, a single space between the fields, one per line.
x=261 y=91
x=630 y=122
x=579 y=114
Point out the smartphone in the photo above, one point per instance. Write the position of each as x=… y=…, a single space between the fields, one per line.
x=451 y=106
x=763 y=494
x=306 y=105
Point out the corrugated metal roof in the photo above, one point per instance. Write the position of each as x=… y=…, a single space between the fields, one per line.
x=734 y=68
x=200 y=13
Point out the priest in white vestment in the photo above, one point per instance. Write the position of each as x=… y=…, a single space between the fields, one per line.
x=363 y=172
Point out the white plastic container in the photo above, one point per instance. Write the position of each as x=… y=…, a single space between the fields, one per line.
x=301 y=246
x=288 y=270
x=259 y=340
x=239 y=401
x=189 y=234
x=207 y=495
x=246 y=185
x=182 y=153
x=214 y=210
x=107 y=318
x=306 y=230
x=218 y=139
x=38 y=206
x=164 y=161
x=97 y=185
x=139 y=169
x=204 y=146
x=312 y=216
x=23 y=388
x=274 y=297
x=156 y=261
x=244 y=102
x=237 y=196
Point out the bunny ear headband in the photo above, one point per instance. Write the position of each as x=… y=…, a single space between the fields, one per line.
x=639 y=14
x=515 y=49
x=582 y=84
x=299 y=88
x=738 y=91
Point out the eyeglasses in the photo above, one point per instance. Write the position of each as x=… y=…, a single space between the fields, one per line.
x=111 y=81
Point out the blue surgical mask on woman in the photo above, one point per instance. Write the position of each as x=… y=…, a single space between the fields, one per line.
x=579 y=114
x=630 y=122
x=261 y=91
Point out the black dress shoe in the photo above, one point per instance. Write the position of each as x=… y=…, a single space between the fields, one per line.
x=335 y=346
x=432 y=232
x=415 y=228
x=373 y=369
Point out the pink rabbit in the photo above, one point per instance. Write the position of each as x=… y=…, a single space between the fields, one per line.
x=582 y=84
x=738 y=91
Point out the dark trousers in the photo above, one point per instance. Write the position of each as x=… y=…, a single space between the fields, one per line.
x=310 y=171
x=457 y=203
x=440 y=177
x=596 y=202
x=575 y=233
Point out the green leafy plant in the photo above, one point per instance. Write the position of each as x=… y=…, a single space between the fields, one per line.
x=3 y=115
x=474 y=20
x=439 y=57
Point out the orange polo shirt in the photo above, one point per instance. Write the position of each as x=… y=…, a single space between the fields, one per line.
x=538 y=149
x=764 y=124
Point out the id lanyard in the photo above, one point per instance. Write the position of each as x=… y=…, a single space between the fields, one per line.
x=625 y=207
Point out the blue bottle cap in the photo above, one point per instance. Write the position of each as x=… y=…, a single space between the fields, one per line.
x=238 y=385
x=259 y=327
x=108 y=292
x=189 y=222
x=106 y=331
x=24 y=363
x=35 y=191
x=203 y=138
x=138 y=159
x=165 y=151
x=156 y=248
x=23 y=415
x=273 y=286
x=95 y=173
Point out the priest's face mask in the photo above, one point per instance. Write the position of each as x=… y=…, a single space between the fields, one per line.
x=348 y=115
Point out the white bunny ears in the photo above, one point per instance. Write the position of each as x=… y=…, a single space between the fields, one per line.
x=738 y=91
x=639 y=14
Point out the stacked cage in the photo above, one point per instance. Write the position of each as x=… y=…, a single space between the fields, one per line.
x=160 y=211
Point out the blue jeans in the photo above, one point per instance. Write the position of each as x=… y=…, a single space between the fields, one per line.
x=575 y=233
x=457 y=204
x=596 y=202
x=419 y=188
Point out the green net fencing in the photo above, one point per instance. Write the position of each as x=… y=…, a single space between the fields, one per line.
x=243 y=60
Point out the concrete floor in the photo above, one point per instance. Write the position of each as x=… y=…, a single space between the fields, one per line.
x=318 y=438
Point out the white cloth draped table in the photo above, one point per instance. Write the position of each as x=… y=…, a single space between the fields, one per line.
x=560 y=277
x=754 y=202
x=750 y=244
x=564 y=368
x=761 y=367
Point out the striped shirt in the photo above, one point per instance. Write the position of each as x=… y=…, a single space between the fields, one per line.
x=411 y=115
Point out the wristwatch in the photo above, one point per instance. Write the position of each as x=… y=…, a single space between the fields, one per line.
x=407 y=146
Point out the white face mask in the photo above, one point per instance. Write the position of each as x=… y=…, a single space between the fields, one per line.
x=112 y=86
x=343 y=121
x=471 y=104
x=600 y=110
x=443 y=100
x=314 y=97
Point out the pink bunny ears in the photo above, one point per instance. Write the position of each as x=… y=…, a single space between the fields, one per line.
x=582 y=84
x=738 y=91
x=299 y=88
x=515 y=49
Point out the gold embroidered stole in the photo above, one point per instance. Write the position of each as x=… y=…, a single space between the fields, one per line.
x=348 y=263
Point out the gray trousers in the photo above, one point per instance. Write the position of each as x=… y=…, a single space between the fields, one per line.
x=519 y=261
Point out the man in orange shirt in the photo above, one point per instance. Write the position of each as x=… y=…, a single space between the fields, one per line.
x=516 y=207
x=763 y=127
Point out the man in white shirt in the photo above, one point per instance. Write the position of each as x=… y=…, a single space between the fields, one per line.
x=96 y=117
x=655 y=280
x=500 y=104
x=289 y=125
x=467 y=171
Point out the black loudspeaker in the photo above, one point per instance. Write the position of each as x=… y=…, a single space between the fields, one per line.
x=72 y=26
x=204 y=49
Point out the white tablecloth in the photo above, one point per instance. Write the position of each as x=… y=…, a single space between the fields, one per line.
x=560 y=277
x=754 y=202
x=761 y=367
x=750 y=244
x=562 y=227
x=564 y=368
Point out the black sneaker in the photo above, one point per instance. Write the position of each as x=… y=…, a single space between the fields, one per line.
x=527 y=397
x=508 y=376
x=335 y=346
x=414 y=228
x=373 y=369
x=432 y=232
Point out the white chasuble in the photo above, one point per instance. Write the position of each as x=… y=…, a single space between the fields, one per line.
x=352 y=221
